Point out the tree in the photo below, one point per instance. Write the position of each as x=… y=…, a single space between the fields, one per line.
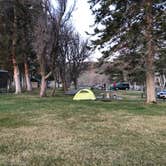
x=78 y=53
x=33 y=30
x=5 y=42
x=10 y=14
x=60 y=19
x=59 y=47
x=13 y=51
x=18 y=41
x=25 y=38
x=42 y=35
x=128 y=27
x=49 y=39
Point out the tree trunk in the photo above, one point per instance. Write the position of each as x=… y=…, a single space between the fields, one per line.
x=58 y=80
x=23 y=81
x=63 y=80
x=64 y=84
x=53 y=91
x=75 y=83
x=15 y=65
x=164 y=81
x=16 y=76
x=151 y=97
x=125 y=76
x=27 y=77
x=43 y=85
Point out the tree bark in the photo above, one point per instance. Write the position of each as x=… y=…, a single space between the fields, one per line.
x=27 y=77
x=164 y=81
x=64 y=84
x=150 y=85
x=75 y=83
x=125 y=75
x=16 y=76
x=43 y=85
x=23 y=81
x=53 y=91
x=15 y=65
x=63 y=79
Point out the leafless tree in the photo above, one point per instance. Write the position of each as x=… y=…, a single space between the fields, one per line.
x=42 y=36
x=48 y=33
x=78 y=53
x=59 y=47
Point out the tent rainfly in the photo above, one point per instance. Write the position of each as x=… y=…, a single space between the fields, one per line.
x=84 y=94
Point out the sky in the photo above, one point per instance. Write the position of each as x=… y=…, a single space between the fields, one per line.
x=82 y=20
x=82 y=17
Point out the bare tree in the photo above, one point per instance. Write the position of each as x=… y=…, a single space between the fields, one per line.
x=63 y=50
x=42 y=36
x=78 y=53
x=48 y=34
x=59 y=45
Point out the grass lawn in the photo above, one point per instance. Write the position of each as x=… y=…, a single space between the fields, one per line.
x=58 y=131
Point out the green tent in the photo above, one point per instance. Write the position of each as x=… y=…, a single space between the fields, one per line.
x=84 y=94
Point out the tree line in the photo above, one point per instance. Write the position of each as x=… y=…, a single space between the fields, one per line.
x=38 y=40
x=133 y=31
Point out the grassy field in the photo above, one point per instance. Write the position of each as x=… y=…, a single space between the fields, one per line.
x=58 y=131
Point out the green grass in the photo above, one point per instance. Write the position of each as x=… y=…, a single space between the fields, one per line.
x=59 y=131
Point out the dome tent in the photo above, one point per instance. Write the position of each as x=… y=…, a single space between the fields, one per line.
x=84 y=94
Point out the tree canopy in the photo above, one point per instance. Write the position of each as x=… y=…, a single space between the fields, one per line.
x=135 y=29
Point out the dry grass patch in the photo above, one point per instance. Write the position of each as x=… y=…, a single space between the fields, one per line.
x=62 y=132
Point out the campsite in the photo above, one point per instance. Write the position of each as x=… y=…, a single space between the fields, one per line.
x=82 y=83
x=84 y=94
x=60 y=131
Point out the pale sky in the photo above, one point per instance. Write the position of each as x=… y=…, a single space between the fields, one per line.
x=82 y=20
x=82 y=17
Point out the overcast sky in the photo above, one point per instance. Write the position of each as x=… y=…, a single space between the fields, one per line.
x=82 y=20
x=82 y=17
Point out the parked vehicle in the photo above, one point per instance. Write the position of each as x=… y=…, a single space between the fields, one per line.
x=162 y=94
x=120 y=86
x=98 y=86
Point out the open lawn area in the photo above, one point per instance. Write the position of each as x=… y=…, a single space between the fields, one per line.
x=58 y=131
